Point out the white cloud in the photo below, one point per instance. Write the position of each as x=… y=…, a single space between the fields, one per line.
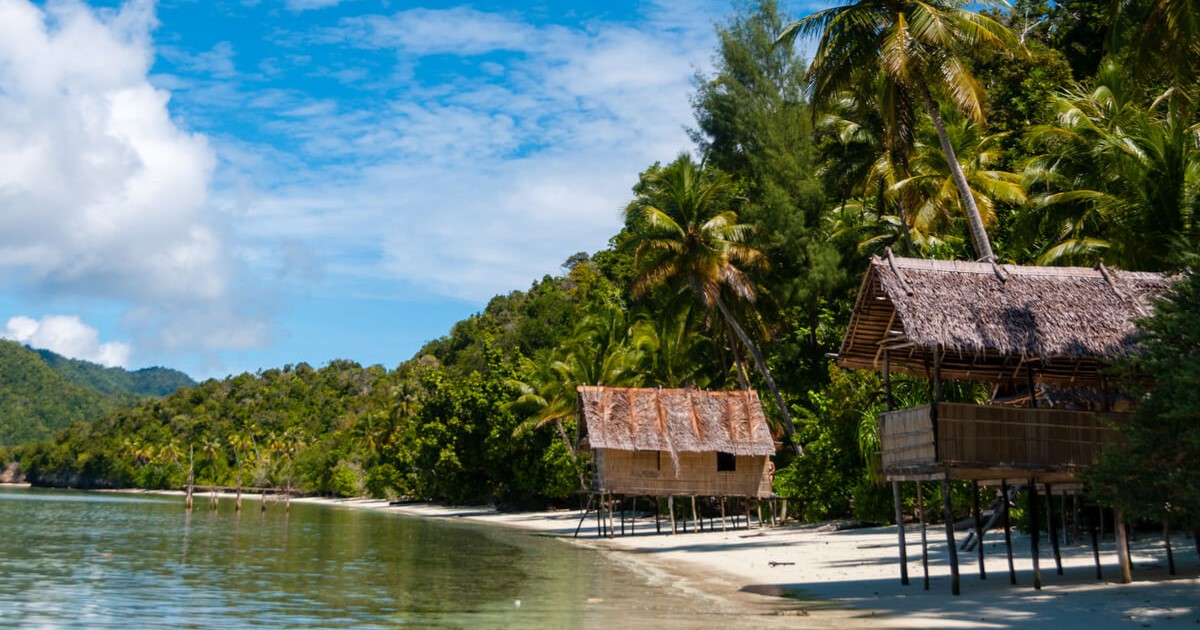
x=104 y=195
x=309 y=5
x=69 y=336
x=476 y=181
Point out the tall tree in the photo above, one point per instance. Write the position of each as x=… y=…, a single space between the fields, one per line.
x=1114 y=179
x=915 y=44
x=683 y=229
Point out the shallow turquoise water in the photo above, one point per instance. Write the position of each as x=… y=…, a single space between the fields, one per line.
x=77 y=559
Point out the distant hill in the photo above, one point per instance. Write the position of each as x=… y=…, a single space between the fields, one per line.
x=42 y=392
x=151 y=381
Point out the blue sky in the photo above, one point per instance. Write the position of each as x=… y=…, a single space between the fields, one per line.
x=224 y=186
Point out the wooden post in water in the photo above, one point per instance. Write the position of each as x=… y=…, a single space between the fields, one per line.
x=900 y=533
x=1033 y=534
x=191 y=478
x=924 y=542
x=1122 y=546
x=978 y=528
x=948 y=516
x=1052 y=530
x=1012 y=571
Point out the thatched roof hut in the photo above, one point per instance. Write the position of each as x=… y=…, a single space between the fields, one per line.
x=989 y=321
x=714 y=443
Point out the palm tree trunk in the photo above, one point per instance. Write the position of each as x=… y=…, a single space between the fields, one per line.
x=788 y=428
x=738 y=365
x=562 y=432
x=979 y=237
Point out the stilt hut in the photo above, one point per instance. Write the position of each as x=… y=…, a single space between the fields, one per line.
x=1039 y=336
x=677 y=443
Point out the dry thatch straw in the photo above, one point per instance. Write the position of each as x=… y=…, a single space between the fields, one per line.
x=675 y=420
x=989 y=321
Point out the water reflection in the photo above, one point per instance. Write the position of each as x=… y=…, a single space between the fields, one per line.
x=90 y=560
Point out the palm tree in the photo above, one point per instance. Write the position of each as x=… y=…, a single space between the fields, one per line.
x=242 y=443
x=1115 y=179
x=914 y=44
x=681 y=229
x=930 y=183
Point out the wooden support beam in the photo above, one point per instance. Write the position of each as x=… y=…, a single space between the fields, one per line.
x=1093 y=515
x=1033 y=534
x=1052 y=529
x=896 y=499
x=924 y=543
x=1012 y=572
x=1167 y=542
x=948 y=515
x=978 y=528
x=671 y=510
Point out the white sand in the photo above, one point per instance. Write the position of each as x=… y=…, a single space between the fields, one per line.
x=850 y=578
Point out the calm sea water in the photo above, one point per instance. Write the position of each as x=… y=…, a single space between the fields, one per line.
x=77 y=559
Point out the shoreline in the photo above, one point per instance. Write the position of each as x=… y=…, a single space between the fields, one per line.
x=850 y=578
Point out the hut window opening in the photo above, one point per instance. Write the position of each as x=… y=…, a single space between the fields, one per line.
x=726 y=462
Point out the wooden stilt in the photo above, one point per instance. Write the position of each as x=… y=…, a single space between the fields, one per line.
x=722 y=513
x=924 y=541
x=622 y=515
x=1095 y=515
x=633 y=518
x=747 y=513
x=948 y=516
x=600 y=515
x=695 y=514
x=583 y=517
x=1122 y=546
x=978 y=528
x=671 y=511
x=900 y=532
x=1033 y=534
x=1052 y=530
x=758 y=508
x=657 y=515
x=1012 y=571
x=1170 y=554
x=612 y=526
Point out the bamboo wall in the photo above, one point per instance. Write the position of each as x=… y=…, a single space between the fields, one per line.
x=653 y=473
x=981 y=436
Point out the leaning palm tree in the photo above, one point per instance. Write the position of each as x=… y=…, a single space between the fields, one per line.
x=913 y=43
x=682 y=230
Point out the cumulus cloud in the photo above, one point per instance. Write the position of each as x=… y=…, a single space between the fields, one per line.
x=104 y=194
x=67 y=335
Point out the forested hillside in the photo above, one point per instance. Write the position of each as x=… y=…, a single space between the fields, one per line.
x=1038 y=134
x=42 y=392
x=151 y=381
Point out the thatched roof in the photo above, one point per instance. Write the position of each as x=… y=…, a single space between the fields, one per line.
x=989 y=321
x=675 y=420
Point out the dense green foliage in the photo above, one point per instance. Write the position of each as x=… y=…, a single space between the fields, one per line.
x=737 y=265
x=1156 y=474
x=42 y=392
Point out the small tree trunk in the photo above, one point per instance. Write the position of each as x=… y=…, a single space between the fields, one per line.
x=789 y=429
x=979 y=237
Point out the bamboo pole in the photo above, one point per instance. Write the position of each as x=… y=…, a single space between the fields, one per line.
x=924 y=542
x=978 y=528
x=1052 y=530
x=1092 y=517
x=948 y=516
x=1033 y=534
x=1122 y=546
x=900 y=532
x=1012 y=571
x=1170 y=554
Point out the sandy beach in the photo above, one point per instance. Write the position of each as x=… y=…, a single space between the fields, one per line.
x=850 y=578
